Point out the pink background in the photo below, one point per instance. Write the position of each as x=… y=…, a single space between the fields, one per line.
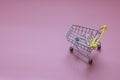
x=33 y=45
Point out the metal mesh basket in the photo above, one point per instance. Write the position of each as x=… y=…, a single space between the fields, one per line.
x=80 y=37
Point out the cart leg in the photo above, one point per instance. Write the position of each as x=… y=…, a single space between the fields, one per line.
x=90 y=61
x=71 y=48
x=99 y=46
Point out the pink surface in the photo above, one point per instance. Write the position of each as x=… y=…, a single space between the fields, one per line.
x=33 y=45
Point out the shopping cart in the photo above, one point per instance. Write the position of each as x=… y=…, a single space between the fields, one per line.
x=86 y=39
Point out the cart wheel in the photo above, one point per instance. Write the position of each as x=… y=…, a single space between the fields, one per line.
x=90 y=61
x=99 y=47
x=71 y=49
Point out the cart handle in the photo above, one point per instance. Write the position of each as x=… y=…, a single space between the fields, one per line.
x=94 y=45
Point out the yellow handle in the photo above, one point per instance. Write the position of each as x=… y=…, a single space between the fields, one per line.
x=104 y=27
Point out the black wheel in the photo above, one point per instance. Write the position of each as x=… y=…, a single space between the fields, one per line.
x=90 y=61
x=71 y=49
x=99 y=47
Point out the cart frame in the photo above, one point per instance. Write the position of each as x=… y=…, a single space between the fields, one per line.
x=84 y=38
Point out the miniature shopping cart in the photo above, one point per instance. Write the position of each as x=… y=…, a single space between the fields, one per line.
x=86 y=39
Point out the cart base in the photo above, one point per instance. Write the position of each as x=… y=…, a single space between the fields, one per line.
x=90 y=61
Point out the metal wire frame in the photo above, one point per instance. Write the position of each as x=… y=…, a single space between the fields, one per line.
x=76 y=31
